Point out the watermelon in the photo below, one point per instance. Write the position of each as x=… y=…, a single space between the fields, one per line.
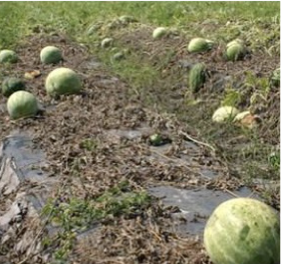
x=50 y=54
x=8 y=56
x=93 y=29
x=197 y=77
x=243 y=231
x=235 y=52
x=118 y=56
x=127 y=19
x=159 y=32
x=234 y=42
x=241 y=116
x=224 y=113
x=22 y=104
x=11 y=85
x=155 y=140
x=200 y=45
x=62 y=81
x=107 y=42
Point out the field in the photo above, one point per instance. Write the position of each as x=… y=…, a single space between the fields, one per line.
x=82 y=182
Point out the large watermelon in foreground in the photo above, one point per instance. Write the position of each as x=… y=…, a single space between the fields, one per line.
x=243 y=231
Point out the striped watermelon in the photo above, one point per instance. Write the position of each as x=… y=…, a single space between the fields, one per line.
x=243 y=231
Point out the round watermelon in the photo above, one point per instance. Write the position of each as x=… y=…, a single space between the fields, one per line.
x=11 y=85
x=243 y=231
x=235 y=52
x=50 y=54
x=22 y=104
x=224 y=113
x=8 y=56
x=155 y=140
x=62 y=81
x=159 y=32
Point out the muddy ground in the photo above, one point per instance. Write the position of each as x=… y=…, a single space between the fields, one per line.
x=100 y=138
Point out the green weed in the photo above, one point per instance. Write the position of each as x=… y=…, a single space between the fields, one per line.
x=76 y=215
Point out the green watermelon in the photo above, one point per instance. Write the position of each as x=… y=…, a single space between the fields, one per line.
x=197 y=77
x=8 y=56
x=200 y=45
x=62 y=81
x=155 y=140
x=234 y=42
x=11 y=85
x=159 y=32
x=50 y=54
x=235 y=52
x=127 y=19
x=22 y=104
x=243 y=231
x=107 y=42
x=118 y=56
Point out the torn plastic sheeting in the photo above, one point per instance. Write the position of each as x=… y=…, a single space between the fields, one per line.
x=9 y=180
x=16 y=212
x=19 y=160
x=18 y=156
x=195 y=205
x=20 y=148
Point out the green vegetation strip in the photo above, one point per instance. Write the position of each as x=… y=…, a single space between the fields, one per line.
x=76 y=215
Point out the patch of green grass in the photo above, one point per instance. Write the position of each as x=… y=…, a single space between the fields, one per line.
x=274 y=160
x=231 y=98
x=17 y=18
x=9 y=24
x=76 y=215
x=88 y=144
x=257 y=83
x=75 y=18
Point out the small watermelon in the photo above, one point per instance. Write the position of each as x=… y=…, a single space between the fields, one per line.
x=235 y=52
x=159 y=32
x=8 y=56
x=224 y=113
x=62 y=81
x=243 y=231
x=50 y=54
x=197 y=77
x=22 y=104
x=107 y=42
x=127 y=19
x=200 y=45
x=156 y=140
x=11 y=85
x=234 y=42
x=241 y=116
x=118 y=56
